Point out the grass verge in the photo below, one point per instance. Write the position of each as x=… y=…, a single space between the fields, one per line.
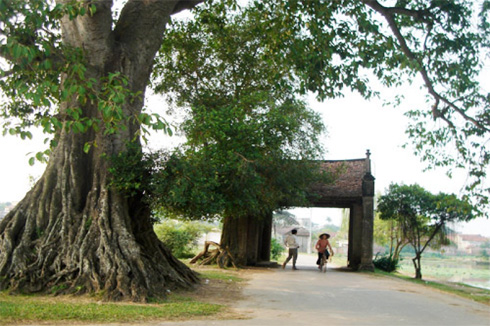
x=66 y=310
x=34 y=309
x=220 y=275
x=463 y=290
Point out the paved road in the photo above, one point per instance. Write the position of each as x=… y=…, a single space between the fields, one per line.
x=308 y=297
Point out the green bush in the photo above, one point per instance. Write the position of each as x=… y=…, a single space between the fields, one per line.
x=276 y=249
x=386 y=263
x=181 y=237
x=484 y=255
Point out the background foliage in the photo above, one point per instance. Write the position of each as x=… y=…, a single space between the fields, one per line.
x=386 y=263
x=277 y=249
x=181 y=237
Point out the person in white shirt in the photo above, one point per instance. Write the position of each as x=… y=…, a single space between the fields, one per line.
x=291 y=243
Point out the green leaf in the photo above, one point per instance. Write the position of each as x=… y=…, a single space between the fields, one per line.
x=78 y=126
x=86 y=147
x=92 y=9
x=40 y=156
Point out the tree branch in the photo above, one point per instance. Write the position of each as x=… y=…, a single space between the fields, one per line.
x=56 y=61
x=420 y=15
x=389 y=15
x=138 y=18
x=438 y=227
x=185 y=4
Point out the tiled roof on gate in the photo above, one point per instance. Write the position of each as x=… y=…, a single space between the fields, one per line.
x=348 y=179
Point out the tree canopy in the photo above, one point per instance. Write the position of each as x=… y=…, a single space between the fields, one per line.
x=250 y=138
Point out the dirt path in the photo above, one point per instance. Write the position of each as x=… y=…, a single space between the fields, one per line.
x=308 y=297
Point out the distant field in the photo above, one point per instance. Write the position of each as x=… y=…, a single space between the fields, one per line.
x=468 y=270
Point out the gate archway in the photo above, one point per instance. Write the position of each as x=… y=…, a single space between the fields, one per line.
x=353 y=188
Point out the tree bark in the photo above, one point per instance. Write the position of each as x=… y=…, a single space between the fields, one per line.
x=246 y=239
x=418 y=268
x=73 y=233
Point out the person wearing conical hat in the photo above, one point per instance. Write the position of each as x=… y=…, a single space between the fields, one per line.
x=321 y=247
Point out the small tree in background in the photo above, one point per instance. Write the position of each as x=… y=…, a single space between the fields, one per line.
x=423 y=216
x=389 y=233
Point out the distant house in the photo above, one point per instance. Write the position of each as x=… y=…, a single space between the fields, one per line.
x=470 y=243
x=303 y=236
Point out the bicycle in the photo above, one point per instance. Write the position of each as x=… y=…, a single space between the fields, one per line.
x=323 y=263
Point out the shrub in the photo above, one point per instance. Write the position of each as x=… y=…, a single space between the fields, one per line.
x=180 y=237
x=276 y=249
x=484 y=255
x=386 y=263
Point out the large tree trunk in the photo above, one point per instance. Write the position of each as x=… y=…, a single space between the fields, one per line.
x=72 y=232
x=247 y=238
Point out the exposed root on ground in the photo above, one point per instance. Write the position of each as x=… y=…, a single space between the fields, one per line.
x=219 y=256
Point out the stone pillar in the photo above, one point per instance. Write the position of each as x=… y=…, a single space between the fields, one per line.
x=355 y=236
x=367 y=222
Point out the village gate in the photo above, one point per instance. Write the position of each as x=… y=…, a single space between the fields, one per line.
x=353 y=189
